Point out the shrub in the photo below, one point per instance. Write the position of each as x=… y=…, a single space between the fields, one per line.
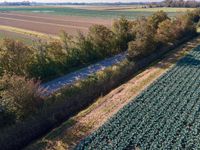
x=86 y=49
x=67 y=41
x=168 y=32
x=194 y=15
x=42 y=65
x=15 y=57
x=157 y=18
x=101 y=38
x=122 y=30
x=20 y=96
x=186 y=25
x=140 y=48
x=145 y=41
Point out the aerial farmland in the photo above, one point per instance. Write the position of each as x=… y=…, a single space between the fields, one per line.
x=94 y=76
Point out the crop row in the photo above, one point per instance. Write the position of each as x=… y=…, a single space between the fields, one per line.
x=164 y=116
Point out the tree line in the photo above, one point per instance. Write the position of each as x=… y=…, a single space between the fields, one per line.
x=178 y=3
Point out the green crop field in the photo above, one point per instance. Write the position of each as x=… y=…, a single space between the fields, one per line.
x=88 y=13
x=165 y=9
x=164 y=116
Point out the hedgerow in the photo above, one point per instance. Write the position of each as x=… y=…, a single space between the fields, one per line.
x=164 y=116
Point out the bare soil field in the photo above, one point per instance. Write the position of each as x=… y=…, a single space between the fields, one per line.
x=50 y=24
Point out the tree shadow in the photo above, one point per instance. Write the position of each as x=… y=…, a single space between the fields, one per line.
x=189 y=60
x=175 y=55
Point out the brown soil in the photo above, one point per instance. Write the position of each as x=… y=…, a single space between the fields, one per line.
x=50 y=24
x=72 y=131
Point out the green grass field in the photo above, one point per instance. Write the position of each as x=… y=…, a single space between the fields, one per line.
x=130 y=13
x=164 y=116
x=165 y=9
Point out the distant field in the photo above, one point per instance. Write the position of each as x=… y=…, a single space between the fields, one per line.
x=166 y=9
x=52 y=19
x=136 y=8
x=105 y=7
x=83 y=12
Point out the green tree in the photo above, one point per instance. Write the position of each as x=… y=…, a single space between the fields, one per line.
x=15 y=57
x=123 y=34
x=20 y=96
x=186 y=24
x=157 y=18
x=144 y=43
x=194 y=15
x=67 y=41
x=102 y=40
x=167 y=32
x=86 y=49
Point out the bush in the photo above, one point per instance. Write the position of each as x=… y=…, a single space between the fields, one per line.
x=42 y=65
x=15 y=57
x=122 y=30
x=101 y=38
x=20 y=96
x=145 y=41
x=194 y=15
x=157 y=18
x=186 y=25
x=140 y=48
x=86 y=49
x=168 y=32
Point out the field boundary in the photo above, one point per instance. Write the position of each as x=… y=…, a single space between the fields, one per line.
x=28 y=32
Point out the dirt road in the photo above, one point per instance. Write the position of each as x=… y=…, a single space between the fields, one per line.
x=59 y=83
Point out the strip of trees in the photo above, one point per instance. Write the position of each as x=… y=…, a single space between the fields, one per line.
x=158 y=31
x=179 y=3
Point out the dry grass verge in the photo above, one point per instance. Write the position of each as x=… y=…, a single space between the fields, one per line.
x=28 y=32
